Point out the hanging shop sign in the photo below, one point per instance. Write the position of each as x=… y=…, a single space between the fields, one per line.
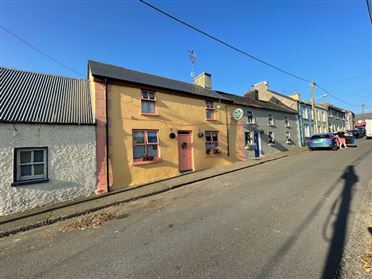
x=237 y=114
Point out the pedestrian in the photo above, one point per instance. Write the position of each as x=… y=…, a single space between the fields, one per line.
x=342 y=139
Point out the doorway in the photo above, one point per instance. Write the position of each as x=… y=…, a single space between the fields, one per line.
x=256 y=143
x=185 y=151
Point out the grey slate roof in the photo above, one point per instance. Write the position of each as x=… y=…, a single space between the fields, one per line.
x=28 y=97
x=118 y=73
x=246 y=101
x=363 y=116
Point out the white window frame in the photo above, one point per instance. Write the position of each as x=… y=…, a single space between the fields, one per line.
x=253 y=117
x=288 y=137
x=305 y=114
x=18 y=164
x=286 y=121
x=251 y=135
x=307 y=130
x=270 y=119
x=272 y=136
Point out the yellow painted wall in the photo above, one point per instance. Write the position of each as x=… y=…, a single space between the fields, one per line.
x=92 y=93
x=175 y=112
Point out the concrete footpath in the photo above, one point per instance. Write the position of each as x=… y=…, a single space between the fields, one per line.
x=38 y=217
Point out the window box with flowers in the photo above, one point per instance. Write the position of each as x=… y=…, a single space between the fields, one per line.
x=145 y=147
x=212 y=146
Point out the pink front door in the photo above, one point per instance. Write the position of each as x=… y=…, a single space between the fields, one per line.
x=185 y=150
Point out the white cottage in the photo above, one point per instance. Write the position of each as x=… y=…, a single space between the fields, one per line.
x=47 y=140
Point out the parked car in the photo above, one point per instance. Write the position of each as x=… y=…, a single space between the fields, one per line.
x=322 y=141
x=351 y=137
x=362 y=131
x=356 y=133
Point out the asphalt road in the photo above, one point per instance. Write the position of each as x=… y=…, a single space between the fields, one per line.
x=288 y=218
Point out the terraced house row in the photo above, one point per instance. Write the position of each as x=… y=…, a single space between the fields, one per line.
x=63 y=138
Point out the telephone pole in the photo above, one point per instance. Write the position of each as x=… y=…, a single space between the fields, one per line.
x=315 y=122
x=363 y=108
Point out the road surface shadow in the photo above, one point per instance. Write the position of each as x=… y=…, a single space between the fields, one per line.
x=338 y=239
x=339 y=234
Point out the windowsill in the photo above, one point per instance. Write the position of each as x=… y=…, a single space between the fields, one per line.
x=140 y=163
x=150 y=114
x=271 y=144
x=251 y=123
x=271 y=125
x=213 y=155
x=211 y=119
x=28 y=182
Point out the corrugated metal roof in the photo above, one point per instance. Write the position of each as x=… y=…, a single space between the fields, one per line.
x=28 y=97
x=123 y=74
x=246 y=101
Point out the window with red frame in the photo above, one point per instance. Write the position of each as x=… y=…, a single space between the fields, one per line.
x=209 y=110
x=211 y=143
x=148 y=100
x=145 y=145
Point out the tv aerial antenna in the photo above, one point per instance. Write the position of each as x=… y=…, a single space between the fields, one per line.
x=192 y=57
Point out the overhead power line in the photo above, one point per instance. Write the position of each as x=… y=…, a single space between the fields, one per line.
x=239 y=50
x=41 y=52
x=347 y=79
x=369 y=7
x=225 y=43
x=336 y=98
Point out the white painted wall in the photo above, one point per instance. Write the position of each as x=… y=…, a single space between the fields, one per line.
x=71 y=164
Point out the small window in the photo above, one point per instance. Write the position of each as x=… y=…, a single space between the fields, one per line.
x=31 y=164
x=248 y=138
x=288 y=137
x=286 y=120
x=250 y=117
x=148 y=101
x=145 y=145
x=210 y=111
x=271 y=138
x=304 y=113
x=212 y=146
x=270 y=119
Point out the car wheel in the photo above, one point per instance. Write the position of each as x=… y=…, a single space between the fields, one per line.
x=311 y=149
x=334 y=148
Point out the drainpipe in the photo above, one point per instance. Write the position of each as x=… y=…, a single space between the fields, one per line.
x=107 y=139
x=227 y=131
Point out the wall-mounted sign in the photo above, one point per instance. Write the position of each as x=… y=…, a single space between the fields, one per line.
x=237 y=114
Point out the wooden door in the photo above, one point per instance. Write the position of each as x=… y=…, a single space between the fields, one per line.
x=185 y=151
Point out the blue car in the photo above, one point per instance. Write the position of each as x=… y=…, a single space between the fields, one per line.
x=322 y=141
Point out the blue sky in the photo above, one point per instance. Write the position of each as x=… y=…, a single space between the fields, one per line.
x=325 y=41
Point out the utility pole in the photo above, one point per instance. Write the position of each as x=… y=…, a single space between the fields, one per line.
x=314 y=120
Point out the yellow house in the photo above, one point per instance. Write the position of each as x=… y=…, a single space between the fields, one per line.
x=151 y=128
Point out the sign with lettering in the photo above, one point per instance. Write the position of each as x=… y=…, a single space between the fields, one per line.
x=237 y=114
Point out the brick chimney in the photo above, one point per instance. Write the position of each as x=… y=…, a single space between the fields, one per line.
x=204 y=80
x=295 y=96
x=261 y=86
